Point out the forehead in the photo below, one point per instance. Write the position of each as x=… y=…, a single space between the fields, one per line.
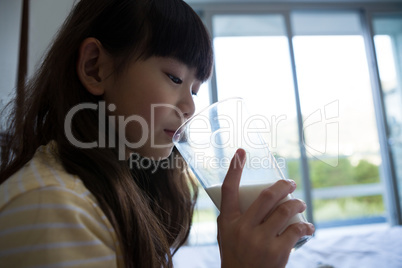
x=171 y=62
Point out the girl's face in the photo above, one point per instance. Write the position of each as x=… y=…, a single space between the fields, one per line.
x=148 y=102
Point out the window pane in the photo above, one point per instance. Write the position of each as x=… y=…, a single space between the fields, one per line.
x=252 y=61
x=388 y=46
x=257 y=68
x=339 y=122
x=325 y=23
x=248 y=25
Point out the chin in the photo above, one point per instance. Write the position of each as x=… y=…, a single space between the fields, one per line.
x=157 y=153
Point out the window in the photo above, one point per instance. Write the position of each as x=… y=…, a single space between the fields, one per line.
x=307 y=70
x=339 y=124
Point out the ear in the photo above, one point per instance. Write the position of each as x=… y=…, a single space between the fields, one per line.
x=93 y=66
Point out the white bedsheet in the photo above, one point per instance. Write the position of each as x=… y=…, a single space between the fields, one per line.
x=371 y=246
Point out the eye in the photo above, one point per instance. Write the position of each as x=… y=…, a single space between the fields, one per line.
x=175 y=79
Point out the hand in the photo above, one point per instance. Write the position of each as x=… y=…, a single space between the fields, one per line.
x=251 y=239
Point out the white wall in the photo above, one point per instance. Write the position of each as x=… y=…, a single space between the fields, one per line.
x=46 y=16
x=10 y=22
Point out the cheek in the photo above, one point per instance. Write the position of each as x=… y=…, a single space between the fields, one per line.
x=138 y=122
x=131 y=122
x=138 y=125
x=158 y=115
x=165 y=115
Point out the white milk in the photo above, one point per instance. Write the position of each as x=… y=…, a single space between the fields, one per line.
x=247 y=195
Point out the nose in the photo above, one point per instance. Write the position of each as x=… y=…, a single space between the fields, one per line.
x=187 y=105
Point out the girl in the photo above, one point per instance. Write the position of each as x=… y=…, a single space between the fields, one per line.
x=119 y=79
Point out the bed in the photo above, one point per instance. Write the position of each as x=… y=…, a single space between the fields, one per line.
x=366 y=246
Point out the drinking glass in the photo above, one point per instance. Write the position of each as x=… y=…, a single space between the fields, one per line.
x=208 y=142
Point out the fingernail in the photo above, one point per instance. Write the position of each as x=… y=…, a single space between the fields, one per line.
x=241 y=157
x=292 y=182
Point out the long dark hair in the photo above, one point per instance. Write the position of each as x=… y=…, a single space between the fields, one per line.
x=151 y=213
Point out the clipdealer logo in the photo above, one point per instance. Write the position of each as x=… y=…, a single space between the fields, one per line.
x=147 y=129
x=322 y=129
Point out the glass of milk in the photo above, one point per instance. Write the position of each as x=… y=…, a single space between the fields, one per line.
x=209 y=140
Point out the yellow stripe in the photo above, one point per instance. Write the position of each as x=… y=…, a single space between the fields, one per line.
x=49 y=219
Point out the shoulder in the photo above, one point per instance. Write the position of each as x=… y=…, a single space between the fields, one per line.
x=44 y=170
x=43 y=173
x=49 y=217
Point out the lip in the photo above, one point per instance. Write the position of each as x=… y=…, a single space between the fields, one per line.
x=169 y=132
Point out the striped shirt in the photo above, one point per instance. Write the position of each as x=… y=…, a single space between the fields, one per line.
x=49 y=219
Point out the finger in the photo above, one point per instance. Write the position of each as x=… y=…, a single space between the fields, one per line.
x=230 y=186
x=294 y=232
x=268 y=199
x=286 y=213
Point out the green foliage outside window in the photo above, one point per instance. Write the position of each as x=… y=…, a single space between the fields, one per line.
x=323 y=175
